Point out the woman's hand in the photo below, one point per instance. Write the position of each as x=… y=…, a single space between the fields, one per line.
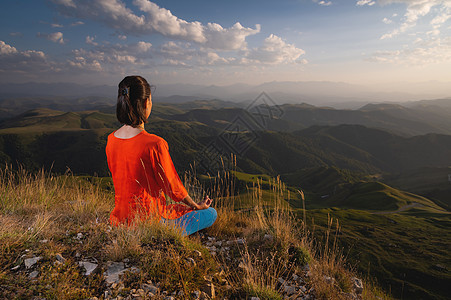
x=204 y=204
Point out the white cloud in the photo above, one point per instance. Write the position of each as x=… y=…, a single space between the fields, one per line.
x=111 y=57
x=90 y=41
x=55 y=25
x=275 y=51
x=417 y=9
x=387 y=21
x=78 y=23
x=16 y=61
x=435 y=51
x=233 y=38
x=323 y=3
x=116 y=14
x=56 y=37
x=19 y=34
x=122 y=37
x=365 y=2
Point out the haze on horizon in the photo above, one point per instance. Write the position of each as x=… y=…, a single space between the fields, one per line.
x=387 y=45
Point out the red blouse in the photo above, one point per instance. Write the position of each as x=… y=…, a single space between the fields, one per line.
x=143 y=173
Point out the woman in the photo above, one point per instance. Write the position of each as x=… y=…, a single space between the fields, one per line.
x=142 y=169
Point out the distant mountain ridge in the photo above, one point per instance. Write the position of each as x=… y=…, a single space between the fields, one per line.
x=315 y=92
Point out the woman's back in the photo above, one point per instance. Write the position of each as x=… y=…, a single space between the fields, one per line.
x=143 y=172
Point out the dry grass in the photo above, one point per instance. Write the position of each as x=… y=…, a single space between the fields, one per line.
x=45 y=215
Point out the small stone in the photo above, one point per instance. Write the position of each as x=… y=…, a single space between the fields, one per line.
x=60 y=258
x=255 y=298
x=15 y=268
x=114 y=270
x=268 y=237
x=141 y=292
x=289 y=289
x=79 y=235
x=29 y=262
x=77 y=255
x=240 y=241
x=150 y=288
x=329 y=279
x=89 y=267
x=358 y=285
x=33 y=274
x=211 y=238
x=43 y=241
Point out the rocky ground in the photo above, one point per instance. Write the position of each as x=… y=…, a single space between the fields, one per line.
x=297 y=286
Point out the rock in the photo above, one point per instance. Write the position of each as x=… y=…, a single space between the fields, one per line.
x=281 y=281
x=60 y=258
x=29 y=262
x=150 y=288
x=43 y=241
x=114 y=270
x=268 y=237
x=329 y=280
x=211 y=238
x=212 y=248
x=289 y=289
x=33 y=274
x=89 y=267
x=79 y=235
x=240 y=241
x=15 y=268
x=77 y=255
x=357 y=284
x=189 y=259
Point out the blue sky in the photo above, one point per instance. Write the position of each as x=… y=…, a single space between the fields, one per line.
x=368 y=42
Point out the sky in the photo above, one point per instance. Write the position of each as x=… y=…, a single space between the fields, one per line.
x=365 y=42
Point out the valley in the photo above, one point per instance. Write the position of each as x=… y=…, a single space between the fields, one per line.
x=381 y=171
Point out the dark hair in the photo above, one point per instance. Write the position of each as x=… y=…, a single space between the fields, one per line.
x=131 y=100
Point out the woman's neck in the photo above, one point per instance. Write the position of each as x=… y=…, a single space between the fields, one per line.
x=127 y=131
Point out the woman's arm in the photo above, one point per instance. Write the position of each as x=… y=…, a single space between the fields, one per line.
x=204 y=204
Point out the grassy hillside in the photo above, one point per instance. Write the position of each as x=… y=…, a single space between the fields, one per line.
x=400 y=238
x=61 y=223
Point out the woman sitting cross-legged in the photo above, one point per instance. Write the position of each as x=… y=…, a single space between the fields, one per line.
x=142 y=169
